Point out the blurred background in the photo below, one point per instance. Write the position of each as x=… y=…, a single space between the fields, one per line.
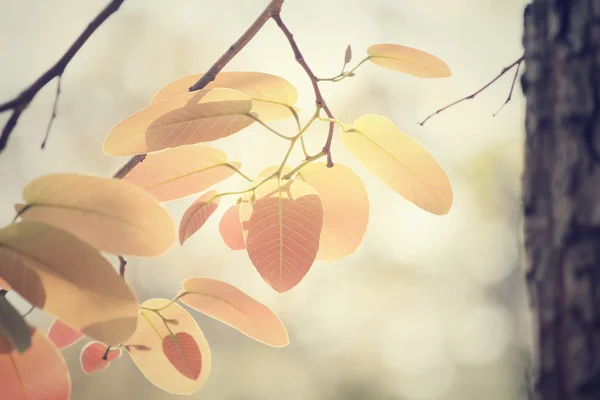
x=428 y=307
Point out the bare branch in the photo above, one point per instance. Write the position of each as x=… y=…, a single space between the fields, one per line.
x=273 y=8
x=122 y=264
x=129 y=165
x=20 y=103
x=517 y=63
x=53 y=111
x=512 y=87
x=315 y=83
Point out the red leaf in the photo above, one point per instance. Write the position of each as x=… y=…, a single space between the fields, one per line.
x=40 y=373
x=197 y=214
x=92 y=360
x=283 y=233
x=231 y=229
x=183 y=352
x=62 y=335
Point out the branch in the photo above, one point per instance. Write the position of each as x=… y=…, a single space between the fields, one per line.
x=54 y=108
x=315 y=83
x=122 y=264
x=273 y=8
x=517 y=63
x=22 y=101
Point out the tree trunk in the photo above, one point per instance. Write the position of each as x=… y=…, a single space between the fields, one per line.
x=562 y=193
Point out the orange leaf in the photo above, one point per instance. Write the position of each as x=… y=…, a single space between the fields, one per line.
x=230 y=305
x=62 y=335
x=176 y=173
x=91 y=357
x=202 y=116
x=197 y=214
x=408 y=60
x=4 y=285
x=231 y=229
x=272 y=96
x=400 y=162
x=40 y=373
x=345 y=208
x=283 y=232
x=183 y=352
x=110 y=214
x=69 y=279
x=146 y=347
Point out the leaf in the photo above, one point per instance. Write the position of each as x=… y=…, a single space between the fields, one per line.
x=92 y=359
x=62 y=335
x=176 y=173
x=231 y=229
x=4 y=285
x=283 y=232
x=38 y=374
x=348 y=55
x=151 y=358
x=345 y=208
x=228 y=304
x=111 y=215
x=13 y=326
x=197 y=214
x=190 y=118
x=408 y=60
x=272 y=96
x=400 y=162
x=69 y=279
x=183 y=352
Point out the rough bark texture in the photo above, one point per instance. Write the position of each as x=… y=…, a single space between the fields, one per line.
x=562 y=193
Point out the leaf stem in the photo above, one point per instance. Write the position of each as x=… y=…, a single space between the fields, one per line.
x=238 y=171
x=268 y=127
x=156 y=310
x=345 y=74
x=304 y=164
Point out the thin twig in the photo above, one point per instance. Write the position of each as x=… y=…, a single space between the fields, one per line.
x=517 y=63
x=122 y=264
x=53 y=117
x=273 y=8
x=512 y=87
x=313 y=79
x=20 y=103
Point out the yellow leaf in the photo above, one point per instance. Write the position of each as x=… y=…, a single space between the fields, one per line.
x=230 y=305
x=65 y=277
x=400 y=162
x=189 y=118
x=169 y=371
x=345 y=208
x=408 y=60
x=272 y=96
x=111 y=215
x=176 y=173
x=283 y=232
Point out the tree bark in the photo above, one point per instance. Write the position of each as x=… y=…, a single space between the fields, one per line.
x=561 y=186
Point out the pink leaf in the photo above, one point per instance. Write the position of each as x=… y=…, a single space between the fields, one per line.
x=62 y=335
x=183 y=352
x=92 y=357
